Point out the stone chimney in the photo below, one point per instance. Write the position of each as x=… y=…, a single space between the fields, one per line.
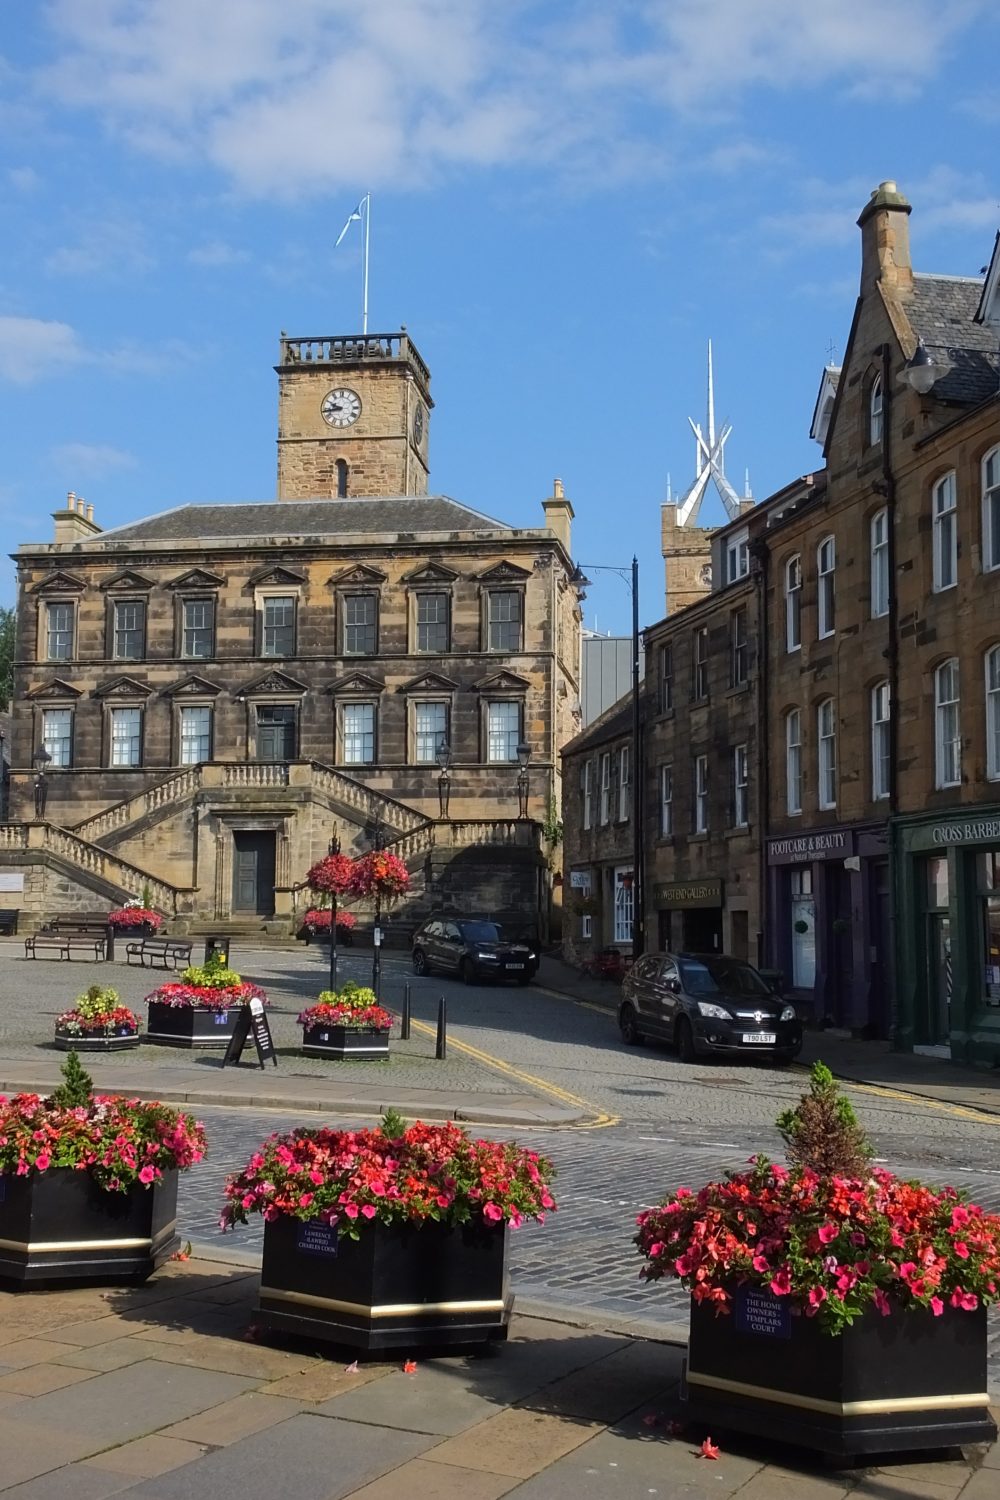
x=885 y=240
x=75 y=523
x=558 y=514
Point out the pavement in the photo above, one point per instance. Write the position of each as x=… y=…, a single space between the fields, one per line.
x=163 y=1392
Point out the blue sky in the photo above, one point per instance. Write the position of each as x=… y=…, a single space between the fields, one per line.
x=569 y=200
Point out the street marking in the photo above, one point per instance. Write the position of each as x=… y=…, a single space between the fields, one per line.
x=599 y=1119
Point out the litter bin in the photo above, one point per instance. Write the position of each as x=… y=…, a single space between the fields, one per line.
x=217 y=943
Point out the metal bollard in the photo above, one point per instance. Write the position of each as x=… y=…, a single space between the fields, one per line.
x=404 y=1025
x=441 y=1045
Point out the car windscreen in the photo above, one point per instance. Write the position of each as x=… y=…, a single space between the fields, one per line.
x=722 y=976
x=480 y=932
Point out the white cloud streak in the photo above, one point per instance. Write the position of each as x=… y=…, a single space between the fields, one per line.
x=90 y=460
x=31 y=348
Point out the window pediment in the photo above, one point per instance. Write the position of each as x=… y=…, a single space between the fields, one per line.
x=429 y=682
x=123 y=687
x=197 y=578
x=125 y=578
x=430 y=574
x=357 y=682
x=60 y=583
x=503 y=682
x=505 y=572
x=270 y=683
x=52 y=690
x=359 y=576
x=277 y=577
x=192 y=685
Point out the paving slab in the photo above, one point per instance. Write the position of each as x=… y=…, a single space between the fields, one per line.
x=517 y=1442
x=29 y=1450
x=144 y=1458
x=76 y=1482
x=418 y=1478
x=234 y=1420
x=129 y=1403
x=37 y=1380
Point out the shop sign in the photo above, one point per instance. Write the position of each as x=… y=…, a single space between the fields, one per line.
x=973 y=832
x=579 y=880
x=679 y=893
x=835 y=844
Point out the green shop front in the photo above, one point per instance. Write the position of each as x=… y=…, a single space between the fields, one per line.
x=947 y=869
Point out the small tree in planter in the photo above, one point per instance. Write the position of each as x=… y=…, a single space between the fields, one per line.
x=317 y=921
x=98 y=1022
x=832 y=1291
x=200 y=1009
x=88 y=1183
x=389 y=1238
x=348 y=1022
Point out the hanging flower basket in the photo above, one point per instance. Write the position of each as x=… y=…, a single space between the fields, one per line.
x=331 y=875
x=379 y=874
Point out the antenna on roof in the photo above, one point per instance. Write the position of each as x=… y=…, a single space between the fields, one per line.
x=831 y=352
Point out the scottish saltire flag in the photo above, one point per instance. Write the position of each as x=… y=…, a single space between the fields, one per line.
x=350 y=220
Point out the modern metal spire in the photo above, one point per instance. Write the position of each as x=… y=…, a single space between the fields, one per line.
x=709 y=464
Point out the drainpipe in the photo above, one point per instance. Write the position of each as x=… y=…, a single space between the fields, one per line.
x=762 y=557
x=638 y=872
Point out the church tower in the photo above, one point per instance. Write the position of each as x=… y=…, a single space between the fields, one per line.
x=353 y=417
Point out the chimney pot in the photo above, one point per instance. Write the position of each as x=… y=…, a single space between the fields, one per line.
x=557 y=489
x=885 y=239
x=90 y=512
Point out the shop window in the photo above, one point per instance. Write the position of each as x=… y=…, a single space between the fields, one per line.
x=947 y=726
x=988 y=892
x=875 y=411
x=793 y=762
x=940 y=975
x=666 y=802
x=991 y=510
x=880 y=564
x=793 y=603
x=802 y=910
x=826 y=731
x=880 y=741
x=741 y=787
x=944 y=511
x=993 y=713
x=701 y=794
x=826 y=587
x=624 y=907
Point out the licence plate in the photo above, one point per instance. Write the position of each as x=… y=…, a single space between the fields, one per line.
x=514 y=966
x=761 y=1038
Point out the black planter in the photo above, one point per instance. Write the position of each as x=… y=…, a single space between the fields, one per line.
x=346 y=1041
x=59 y=1226
x=345 y=937
x=428 y=1288
x=189 y=1025
x=94 y=1041
x=885 y=1385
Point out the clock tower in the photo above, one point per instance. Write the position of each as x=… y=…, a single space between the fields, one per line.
x=353 y=417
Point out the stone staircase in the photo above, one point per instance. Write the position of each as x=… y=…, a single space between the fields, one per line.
x=88 y=865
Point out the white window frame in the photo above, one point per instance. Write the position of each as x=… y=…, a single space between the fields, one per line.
x=700 y=684
x=666 y=802
x=991 y=664
x=624 y=784
x=793 y=762
x=358 y=726
x=944 y=511
x=879 y=552
x=881 y=708
x=741 y=787
x=128 y=629
x=667 y=679
x=604 y=789
x=424 y=753
x=587 y=792
x=793 y=603
x=739 y=641
x=126 y=749
x=947 y=724
x=737 y=556
x=268 y=647
x=59 y=745
x=506 y=739
x=57 y=635
x=826 y=588
x=876 y=412
x=826 y=754
x=193 y=635
x=624 y=904
x=188 y=744
x=701 y=794
x=990 y=470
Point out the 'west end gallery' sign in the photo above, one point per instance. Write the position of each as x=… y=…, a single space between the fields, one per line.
x=678 y=893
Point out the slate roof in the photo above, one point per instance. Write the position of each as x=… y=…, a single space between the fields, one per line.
x=942 y=311
x=301 y=518
x=611 y=725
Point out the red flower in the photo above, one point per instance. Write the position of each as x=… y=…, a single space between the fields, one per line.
x=331 y=875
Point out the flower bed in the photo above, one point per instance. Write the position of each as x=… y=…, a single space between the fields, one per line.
x=316 y=924
x=128 y=917
x=97 y=1023
x=388 y=1238
x=88 y=1183
x=200 y=1008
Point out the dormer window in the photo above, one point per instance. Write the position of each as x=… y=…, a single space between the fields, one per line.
x=737 y=556
x=875 y=412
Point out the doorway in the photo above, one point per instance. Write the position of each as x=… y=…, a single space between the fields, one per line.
x=253 y=873
x=703 y=929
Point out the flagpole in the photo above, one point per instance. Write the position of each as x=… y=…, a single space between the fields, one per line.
x=364 y=305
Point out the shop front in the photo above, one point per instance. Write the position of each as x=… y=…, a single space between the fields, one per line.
x=689 y=916
x=829 y=928
x=947 y=869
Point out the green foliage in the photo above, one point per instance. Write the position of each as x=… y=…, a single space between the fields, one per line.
x=822 y=1132
x=552 y=826
x=393 y=1124
x=147 y=897
x=7 y=623
x=77 y=1088
x=213 y=975
x=96 y=1001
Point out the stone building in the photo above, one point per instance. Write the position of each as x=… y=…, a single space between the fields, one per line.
x=207 y=694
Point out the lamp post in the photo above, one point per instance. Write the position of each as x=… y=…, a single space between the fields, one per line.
x=41 y=759
x=922 y=369
x=334 y=848
x=523 y=757
x=630 y=578
x=444 y=779
x=375 y=826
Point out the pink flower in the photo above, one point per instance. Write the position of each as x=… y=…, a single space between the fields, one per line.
x=937 y=1306
x=817 y=1295
x=827 y=1232
x=492 y=1212
x=967 y=1301
x=882 y=1302
x=351 y=1210
x=760 y=1263
x=147 y=1174
x=43 y=1161
x=781 y=1282
x=961 y=1249
x=368 y=1210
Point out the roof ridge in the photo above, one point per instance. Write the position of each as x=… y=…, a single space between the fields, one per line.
x=944 y=276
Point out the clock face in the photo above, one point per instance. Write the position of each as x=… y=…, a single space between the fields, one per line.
x=418 y=424
x=341 y=407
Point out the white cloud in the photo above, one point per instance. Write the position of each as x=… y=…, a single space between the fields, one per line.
x=90 y=460
x=106 y=245
x=216 y=254
x=31 y=348
x=24 y=179
x=314 y=96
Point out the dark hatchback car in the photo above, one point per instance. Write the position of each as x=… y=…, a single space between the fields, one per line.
x=473 y=948
x=703 y=1003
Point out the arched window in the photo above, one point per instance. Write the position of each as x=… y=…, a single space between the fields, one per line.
x=875 y=411
x=880 y=564
x=943 y=510
x=793 y=603
x=880 y=741
x=793 y=762
x=826 y=591
x=826 y=731
x=993 y=713
x=342 y=478
x=991 y=510
x=947 y=726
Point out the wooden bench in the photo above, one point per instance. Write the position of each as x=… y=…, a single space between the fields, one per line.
x=8 y=921
x=165 y=952
x=89 y=923
x=65 y=944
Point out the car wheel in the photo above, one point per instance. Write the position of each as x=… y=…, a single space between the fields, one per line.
x=628 y=1022
x=419 y=961
x=685 y=1041
x=466 y=972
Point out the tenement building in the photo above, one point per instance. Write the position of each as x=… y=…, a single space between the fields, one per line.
x=206 y=695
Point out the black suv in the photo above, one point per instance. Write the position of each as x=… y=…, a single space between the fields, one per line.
x=705 y=1003
x=473 y=948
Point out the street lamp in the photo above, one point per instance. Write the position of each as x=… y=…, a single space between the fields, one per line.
x=333 y=848
x=630 y=578
x=444 y=780
x=922 y=370
x=523 y=756
x=41 y=759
